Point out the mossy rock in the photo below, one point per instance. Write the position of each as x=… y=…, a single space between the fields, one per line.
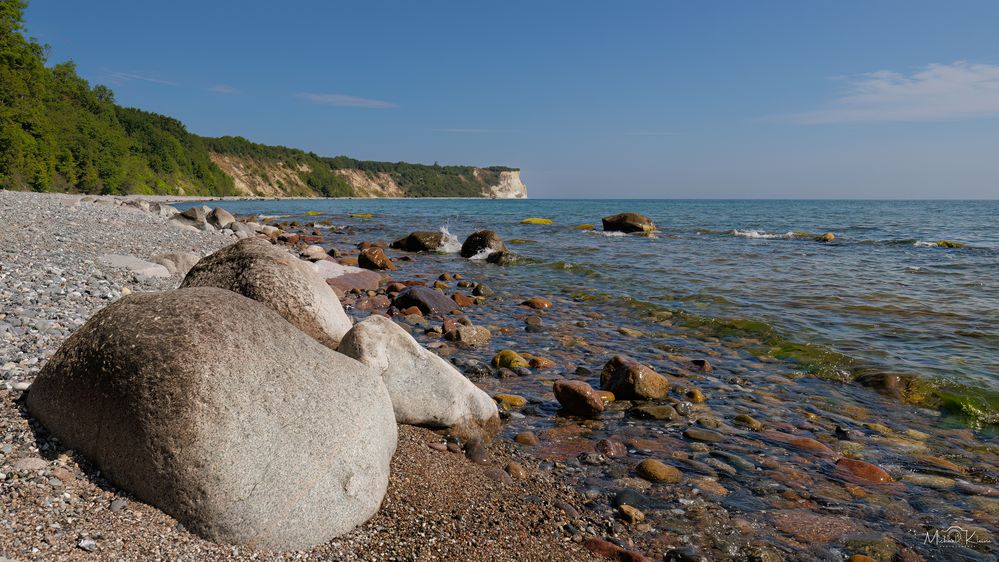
x=949 y=244
x=585 y=227
x=312 y=213
x=509 y=359
x=519 y=242
x=510 y=401
x=362 y=216
x=536 y=220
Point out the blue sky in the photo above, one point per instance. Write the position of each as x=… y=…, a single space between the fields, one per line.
x=892 y=99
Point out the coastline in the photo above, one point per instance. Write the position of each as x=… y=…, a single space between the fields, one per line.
x=51 y=281
x=758 y=450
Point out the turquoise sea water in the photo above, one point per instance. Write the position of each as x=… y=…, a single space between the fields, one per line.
x=883 y=293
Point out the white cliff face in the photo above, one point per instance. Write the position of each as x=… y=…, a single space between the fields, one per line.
x=509 y=187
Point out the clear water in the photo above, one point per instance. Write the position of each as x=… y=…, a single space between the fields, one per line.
x=882 y=292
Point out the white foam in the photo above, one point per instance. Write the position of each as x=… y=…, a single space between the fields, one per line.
x=760 y=235
x=451 y=244
x=483 y=254
x=924 y=244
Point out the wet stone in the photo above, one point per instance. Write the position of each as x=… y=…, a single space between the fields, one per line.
x=657 y=471
x=706 y=435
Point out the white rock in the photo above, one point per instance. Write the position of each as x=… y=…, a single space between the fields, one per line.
x=425 y=389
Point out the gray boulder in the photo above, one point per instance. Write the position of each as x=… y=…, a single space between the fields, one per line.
x=255 y=436
x=257 y=269
x=177 y=263
x=195 y=217
x=425 y=389
x=242 y=230
x=220 y=218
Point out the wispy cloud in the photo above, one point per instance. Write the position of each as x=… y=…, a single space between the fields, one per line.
x=345 y=101
x=119 y=77
x=223 y=89
x=473 y=131
x=937 y=92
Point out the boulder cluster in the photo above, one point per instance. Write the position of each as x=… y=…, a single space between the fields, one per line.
x=245 y=403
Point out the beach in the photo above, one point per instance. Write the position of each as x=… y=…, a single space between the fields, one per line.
x=743 y=453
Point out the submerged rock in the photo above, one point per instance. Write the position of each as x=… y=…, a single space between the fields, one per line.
x=256 y=436
x=269 y=274
x=347 y=277
x=509 y=359
x=628 y=222
x=425 y=389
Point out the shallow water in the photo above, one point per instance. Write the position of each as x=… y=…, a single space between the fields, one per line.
x=879 y=295
x=883 y=292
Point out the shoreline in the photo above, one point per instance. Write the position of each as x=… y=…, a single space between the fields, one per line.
x=765 y=482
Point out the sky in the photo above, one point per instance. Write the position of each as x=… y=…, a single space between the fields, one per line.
x=657 y=99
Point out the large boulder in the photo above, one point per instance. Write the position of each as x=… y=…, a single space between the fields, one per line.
x=630 y=380
x=483 y=242
x=420 y=241
x=429 y=301
x=213 y=408
x=628 y=222
x=347 y=277
x=257 y=269
x=425 y=389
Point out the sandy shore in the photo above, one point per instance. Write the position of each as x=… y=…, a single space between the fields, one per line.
x=56 y=506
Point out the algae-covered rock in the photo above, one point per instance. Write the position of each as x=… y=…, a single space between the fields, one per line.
x=536 y=220
x=509 y=359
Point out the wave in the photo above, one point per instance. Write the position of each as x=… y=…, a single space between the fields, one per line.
x=761 y=235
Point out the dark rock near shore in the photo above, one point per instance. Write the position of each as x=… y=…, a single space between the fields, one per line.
x=629 y=380
x=420 y=241
x=429 y=301
x=628 y=222
x=158 y=391
x=483 y=240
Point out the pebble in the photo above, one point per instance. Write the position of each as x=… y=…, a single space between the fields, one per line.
x=705 y=435
x=537 y=303
x=611 y=448
x=31 y=464
x=653 y=412
x=527 y=438
x=748 y=421
x=578 y=398
x=657 y=471
x=498 y=474
x=516 y=470
x=631 y=514
x=89 y=545
x=476 y=452
x=118 y=505
x=509 y=359
x=510 y=401
x=852 y=469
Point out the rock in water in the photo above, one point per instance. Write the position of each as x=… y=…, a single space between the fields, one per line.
x=215 y=409
x=425 y=389
x=421 y=241
x=257 y=269
x=482 y=241
x=629 y=379
x=347 y=277
x=628 y=222
x=427 y=300
x=578 y=398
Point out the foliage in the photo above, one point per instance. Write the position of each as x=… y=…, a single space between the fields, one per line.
x=422 y=180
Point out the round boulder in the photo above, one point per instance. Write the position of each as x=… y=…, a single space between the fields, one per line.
x=257 y=269
x=215 y=409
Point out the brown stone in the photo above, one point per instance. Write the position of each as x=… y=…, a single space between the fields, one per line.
x=629 y=379
x=799 y=442
x=656 y=471
x=541 y=363
x=537 y=303
x=527 y=438
x=463 y=300
x=374 y=258
x=578 y=398
x=860 y=471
